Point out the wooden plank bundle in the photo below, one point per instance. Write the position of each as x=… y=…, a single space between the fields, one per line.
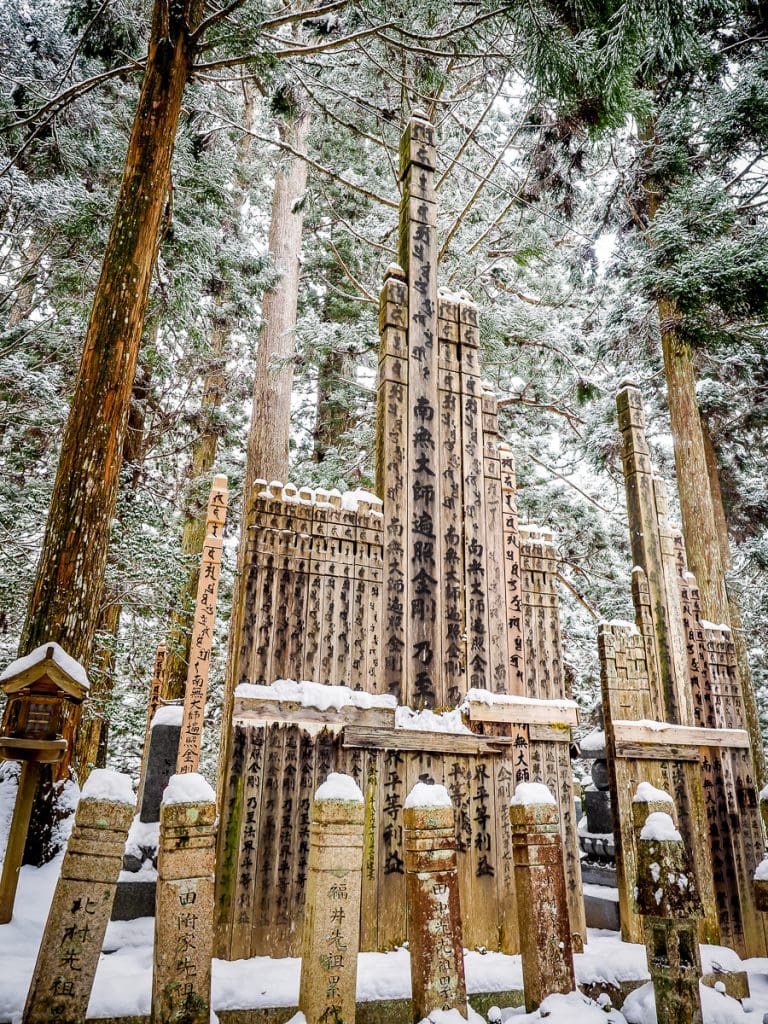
x=674 y=715
x=433 y=599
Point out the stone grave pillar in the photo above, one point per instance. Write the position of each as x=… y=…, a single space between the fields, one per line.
x=670 y=906
x=434 y=915
x=136 y=897
x=82 y=902
x=331 y=938
x=542 y=907
x=181 y=976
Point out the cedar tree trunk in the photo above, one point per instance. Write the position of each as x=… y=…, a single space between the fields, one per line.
x=66 y=597
x=271 y=415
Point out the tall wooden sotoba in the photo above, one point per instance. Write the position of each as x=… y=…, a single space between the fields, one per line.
x=202 y=630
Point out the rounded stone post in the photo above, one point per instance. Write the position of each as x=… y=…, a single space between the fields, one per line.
x=669 y=903
x=181 y=975
x=542 y=905
x=432 y=890
x=82 y=902
x=331 y=938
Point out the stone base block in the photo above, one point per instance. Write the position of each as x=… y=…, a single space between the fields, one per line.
x=380 y=1011
x=601 y=912
x=736 y=983
x=134 y=899
x=593 y=873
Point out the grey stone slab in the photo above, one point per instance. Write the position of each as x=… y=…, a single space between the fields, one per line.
x=161 y=765
x=134 y=899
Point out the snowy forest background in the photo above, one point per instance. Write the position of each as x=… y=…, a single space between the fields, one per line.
x=552 y=120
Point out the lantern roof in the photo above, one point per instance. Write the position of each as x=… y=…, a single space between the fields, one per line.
x=49 y=660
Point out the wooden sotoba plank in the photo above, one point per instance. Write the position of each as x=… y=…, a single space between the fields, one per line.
x=424 y=742
x=639 y=733
x=258 y=709
x=656 y=752
x=524 y=713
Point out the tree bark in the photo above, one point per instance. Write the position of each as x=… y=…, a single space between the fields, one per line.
x=204 y=451
x=703 y=522
x=67 y=593
x=91 y=747
x=333 y=417
x=271 y=413
x=193 y=531
x=66 y=597
x=705 y=543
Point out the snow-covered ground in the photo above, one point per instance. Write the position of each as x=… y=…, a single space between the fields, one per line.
x=123 y=980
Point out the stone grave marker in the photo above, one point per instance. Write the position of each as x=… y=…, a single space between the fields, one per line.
x=670 y=907
x=434 y=914
x=135 y=896
x=331 y=936
x=542 y=908
x=181 y=978
x=82 y=902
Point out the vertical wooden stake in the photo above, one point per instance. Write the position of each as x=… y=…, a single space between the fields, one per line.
x=202 y=631
x=17 y=838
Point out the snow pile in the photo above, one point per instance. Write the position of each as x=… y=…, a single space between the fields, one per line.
x=340 y=787
x=170 y=714
x=477 y=696
x=717 y=1007
x=20 y=939
x=527 y=793
x=659 y=826
x=606 y=959
x=723 y=626
x=351 y=499
x=430 y=721
x=594 y=740
x=323 y=497
x=453 y=1017
x=190 y=788
x=648 y=794
x=105 y=784
x=572 y=1008
x=425 y=795
x=761 y=874
x=621 y=624
x=72 y=668
x=316 y=695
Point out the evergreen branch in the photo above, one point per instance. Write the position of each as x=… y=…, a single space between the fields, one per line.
x=579 y=596
x=74 y=92
x=361 y=288
x=567 y=480
x=277 y=22
x=286 y=147
x=221 y=15
x=290 y=51
x=469 y=135
x=471 y=201
x=571 y=417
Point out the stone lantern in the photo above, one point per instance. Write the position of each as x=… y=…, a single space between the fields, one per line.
x=45 y=691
